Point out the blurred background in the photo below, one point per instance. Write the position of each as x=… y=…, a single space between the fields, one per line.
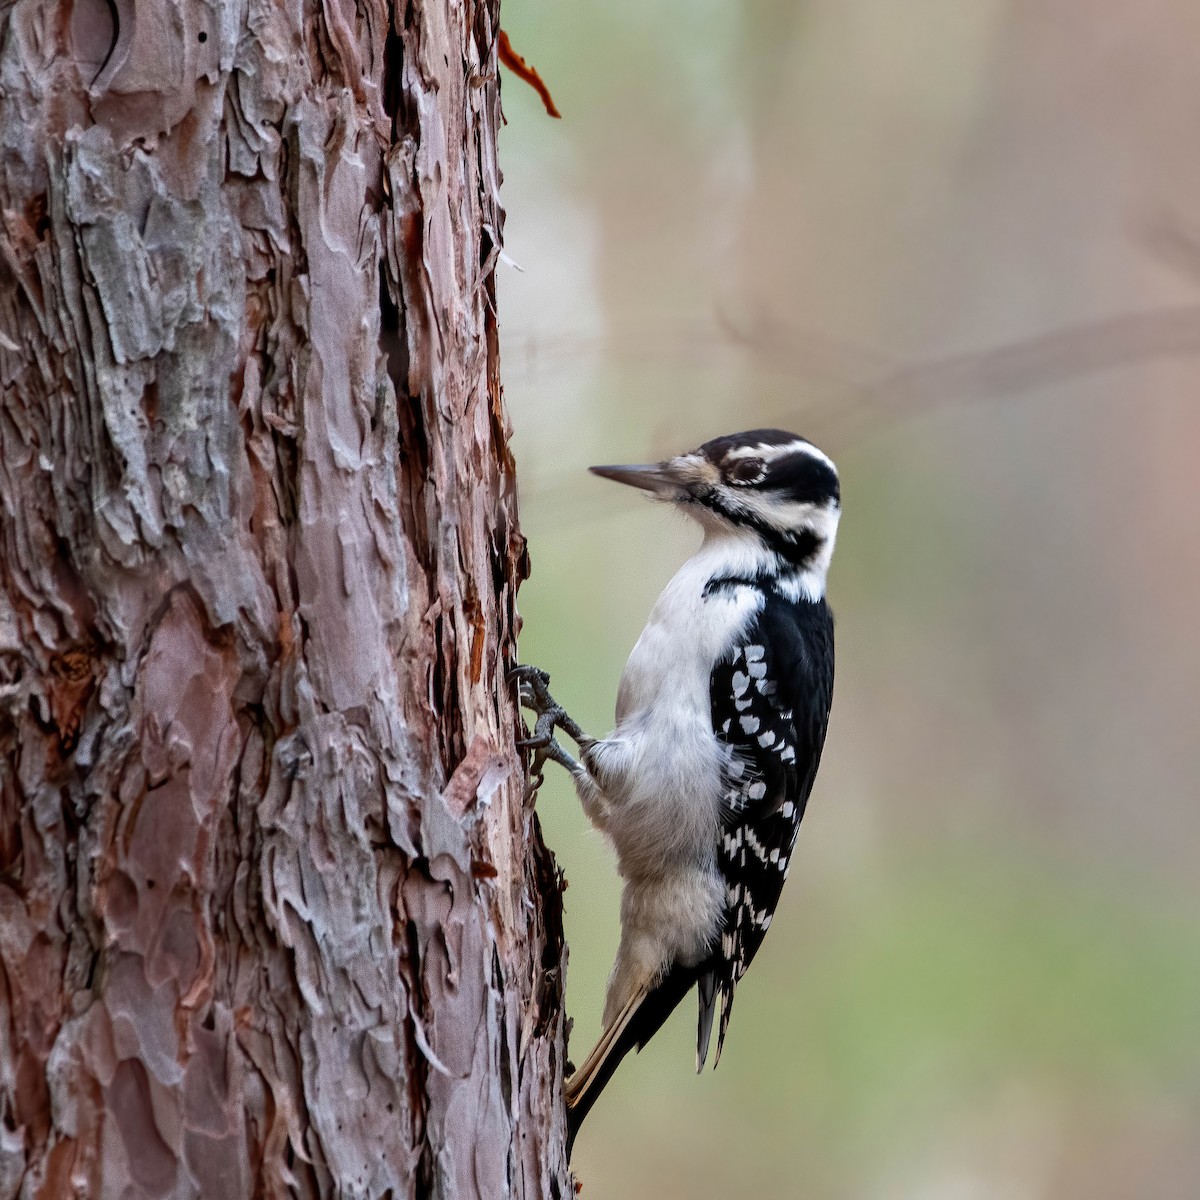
x=958 y=245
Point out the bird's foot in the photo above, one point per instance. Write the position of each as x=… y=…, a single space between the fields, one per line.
x=533 y=689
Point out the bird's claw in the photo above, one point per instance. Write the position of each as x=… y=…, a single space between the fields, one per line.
x=533 y=690
x=543 y=744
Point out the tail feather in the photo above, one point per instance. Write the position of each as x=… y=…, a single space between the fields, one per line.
x=706 y=987
x=585 y=1077
x=726 y=1012
x=632 y=1028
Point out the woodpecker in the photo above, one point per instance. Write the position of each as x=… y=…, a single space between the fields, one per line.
x=720 y=720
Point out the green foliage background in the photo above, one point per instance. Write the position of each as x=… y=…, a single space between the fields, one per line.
x=985 y=981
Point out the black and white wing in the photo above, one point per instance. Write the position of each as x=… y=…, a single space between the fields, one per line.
x=770 y=706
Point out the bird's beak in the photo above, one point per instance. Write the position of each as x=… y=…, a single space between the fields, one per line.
x=660 y=478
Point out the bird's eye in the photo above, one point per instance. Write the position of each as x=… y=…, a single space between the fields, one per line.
x=746 y=471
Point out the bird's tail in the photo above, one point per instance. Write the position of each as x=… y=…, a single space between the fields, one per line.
x=632 y=1027
x=706 y=987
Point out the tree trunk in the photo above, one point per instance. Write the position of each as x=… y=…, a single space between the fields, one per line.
x=275 y=917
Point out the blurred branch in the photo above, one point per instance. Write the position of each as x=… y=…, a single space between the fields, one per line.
x=852 y=409
x=1013 y=368
x=795 y=349
x=1174 y=241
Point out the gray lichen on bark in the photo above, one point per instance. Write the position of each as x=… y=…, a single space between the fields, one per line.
x=275 y=917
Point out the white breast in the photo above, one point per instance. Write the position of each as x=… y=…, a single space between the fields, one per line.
x=661 y=767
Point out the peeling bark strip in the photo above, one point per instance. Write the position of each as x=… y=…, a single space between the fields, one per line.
x=274 y=918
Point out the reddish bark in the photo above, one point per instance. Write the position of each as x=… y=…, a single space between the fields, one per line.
x=275 y=918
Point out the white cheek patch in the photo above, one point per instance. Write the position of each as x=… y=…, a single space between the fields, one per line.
x=794 y=515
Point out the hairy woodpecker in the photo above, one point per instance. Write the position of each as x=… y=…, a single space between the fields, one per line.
x=721 y=717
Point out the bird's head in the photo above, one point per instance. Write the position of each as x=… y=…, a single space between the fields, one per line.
x=763 y=484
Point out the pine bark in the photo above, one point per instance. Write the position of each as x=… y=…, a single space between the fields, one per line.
x=275 y=916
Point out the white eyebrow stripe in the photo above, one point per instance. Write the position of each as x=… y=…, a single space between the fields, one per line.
x=769 y=451
x=817 y=453
x=765 y=450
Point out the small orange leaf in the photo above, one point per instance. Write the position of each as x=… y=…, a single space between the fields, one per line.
x=522 y=70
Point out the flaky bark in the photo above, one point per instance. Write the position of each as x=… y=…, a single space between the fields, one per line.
x=274 y=917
